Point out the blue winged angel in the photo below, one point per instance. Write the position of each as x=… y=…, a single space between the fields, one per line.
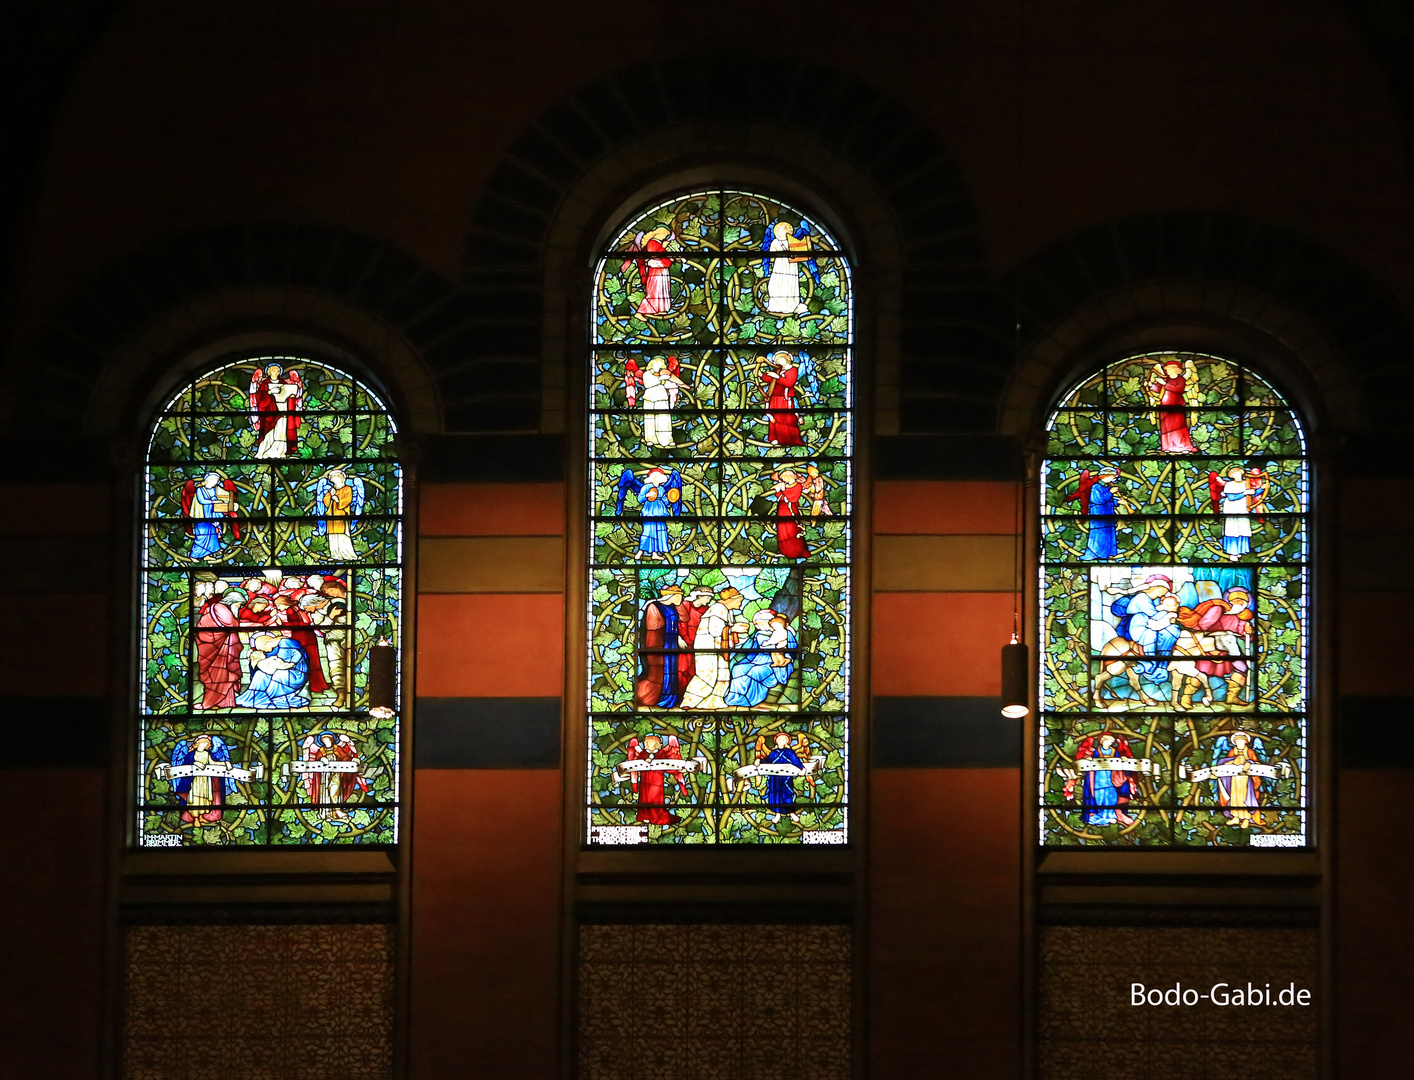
x=659 y=496
x=785 y=250
x=202 y=797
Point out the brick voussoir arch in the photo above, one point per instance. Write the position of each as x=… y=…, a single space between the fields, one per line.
x=709 y=105
x=1346 y=327
x=445 y=325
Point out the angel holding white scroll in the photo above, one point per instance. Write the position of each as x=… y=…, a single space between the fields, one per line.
x=780 y=790
x=649 y=785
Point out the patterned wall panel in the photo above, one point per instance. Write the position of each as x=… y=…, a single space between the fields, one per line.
x=258 y=1003
x=1089 y=1030
x=713 y=1002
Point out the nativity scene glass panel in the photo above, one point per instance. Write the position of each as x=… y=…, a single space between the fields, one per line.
x=1174 y=626
x=271 y=564
x=720 y=499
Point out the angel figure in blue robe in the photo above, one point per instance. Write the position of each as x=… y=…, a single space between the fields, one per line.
x=279 y=673
x=659 y=496
x=339 y=499
x=780 y=790
x=207 y=506
x=1104 y=791
x=783 y=272
x=767 y=664
x=202 y=797
x=1098 y=504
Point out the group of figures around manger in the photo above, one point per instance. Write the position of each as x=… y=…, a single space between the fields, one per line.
x=205 y=777
x=212 y=505
x=272 y=642
x=655 y=766
x=1106 y=777
x=1189 y=648
x=697 y=654
x=787 y=255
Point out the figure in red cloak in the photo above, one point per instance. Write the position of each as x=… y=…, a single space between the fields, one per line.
x=784 y=426
x=218 y=650
x=660 y=671
x=652 y=271
x=690 y=613
x=789 y=540
x=649 y=784
x=1169 y=382
x=289 y=614
x=1230 y=614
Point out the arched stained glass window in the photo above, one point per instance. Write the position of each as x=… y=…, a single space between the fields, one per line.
x=271 y=567
x=721 y=498
x=1174 y=580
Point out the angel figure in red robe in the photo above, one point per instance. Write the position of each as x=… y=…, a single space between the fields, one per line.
x=1167 y=385
x=276 y=396
x=206 y=506
x=652 y=268
x=783 y=425
x=649 y=784
x=788 y=489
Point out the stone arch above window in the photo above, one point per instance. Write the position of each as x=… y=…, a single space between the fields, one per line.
x=269 y=610
x=1175 y=642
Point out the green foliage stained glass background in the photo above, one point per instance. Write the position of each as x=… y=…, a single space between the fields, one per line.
x=1175 y=537
x=721 y=499
x=271 y=563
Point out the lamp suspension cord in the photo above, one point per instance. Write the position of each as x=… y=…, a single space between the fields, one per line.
x=1018 y=539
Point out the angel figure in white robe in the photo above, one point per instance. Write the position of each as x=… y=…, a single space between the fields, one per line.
x=783 y=272
x=339 y=499
x=662 y=385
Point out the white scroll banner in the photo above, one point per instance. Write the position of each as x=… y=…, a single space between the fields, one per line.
x=179 y=772
x=1143 y=765
x=318 y=767
x=762 y=768
x=624 y=769
x=1235 y=768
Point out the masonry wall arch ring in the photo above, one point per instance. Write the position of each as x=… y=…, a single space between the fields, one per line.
x=196 y=334
x=1223 y=319
x=755 y=158
x=828 y=141
x=98 y=357
x=1331 y=328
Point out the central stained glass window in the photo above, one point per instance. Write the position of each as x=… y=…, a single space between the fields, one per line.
x=1174 y=562
x=721 y=500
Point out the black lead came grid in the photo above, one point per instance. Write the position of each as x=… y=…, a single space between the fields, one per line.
x=1156 y=528
x=192 y=683
x=717 y=437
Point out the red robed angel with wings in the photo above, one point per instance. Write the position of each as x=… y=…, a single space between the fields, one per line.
x=266 y=406
x=649 y=785
x=633 y=377
x=1086 y=749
